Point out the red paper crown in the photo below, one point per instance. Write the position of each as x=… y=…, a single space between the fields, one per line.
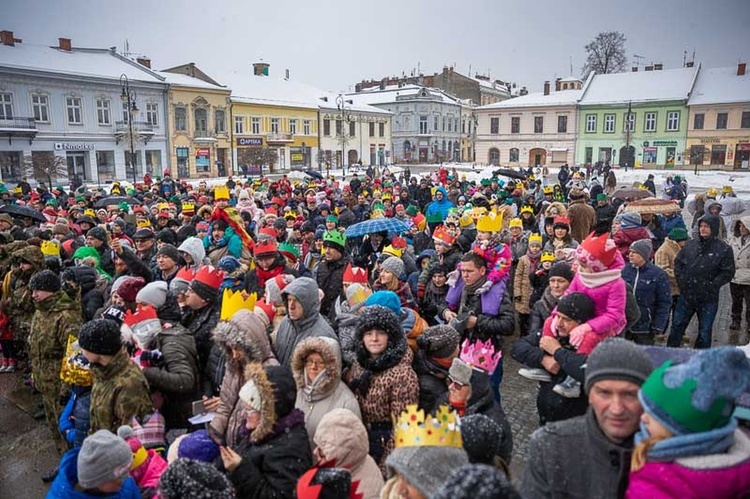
x=355 y=274
x=443 y=235
x=481 y=355
x=598 y=248
x=268 y=232
x=398 y=242
x=265 y=246
x=186 y=273
x=209 y=276
x=142 y=313
x=561 y=220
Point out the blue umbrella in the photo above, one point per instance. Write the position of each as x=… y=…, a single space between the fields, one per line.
x=390 y=225
x=314 y=174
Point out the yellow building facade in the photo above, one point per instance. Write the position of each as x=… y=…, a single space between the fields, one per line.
x=199 y=124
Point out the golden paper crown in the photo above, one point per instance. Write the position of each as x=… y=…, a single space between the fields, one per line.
x=188 y=207
x=490 y=222
x=412 y=429
x=162 y=206
x=89 y=212
x=221 y=192
x=143 y=224
x=50 y=248
x=233 y=301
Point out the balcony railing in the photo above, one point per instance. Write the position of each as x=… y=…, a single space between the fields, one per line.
x=279 y=137
x=139 y=127
x=18 y=124
x=204 y=135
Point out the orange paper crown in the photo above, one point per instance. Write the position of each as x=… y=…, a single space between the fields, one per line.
x=209 y=276
x=141 y=314
x=186 y=273
x=443 y=235
x=355 y=274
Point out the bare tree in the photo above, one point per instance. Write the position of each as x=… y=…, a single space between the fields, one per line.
x=45 y=167
x=259 y=156
x=605 y=54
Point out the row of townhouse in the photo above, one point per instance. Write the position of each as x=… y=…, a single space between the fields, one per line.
x=104 y=117
x=651 y=119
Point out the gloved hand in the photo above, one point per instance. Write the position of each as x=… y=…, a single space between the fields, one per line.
x=152 y=356
x=484 y=288
x=577 y=334
x=453 y=277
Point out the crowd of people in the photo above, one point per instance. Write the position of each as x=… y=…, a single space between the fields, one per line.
x=232 y=341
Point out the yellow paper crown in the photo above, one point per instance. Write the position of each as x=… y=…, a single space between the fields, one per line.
x=50 y=248
x=490 y=222
x=412 y=429
x=188 y=207
x=143 y=224
x=162 y=206
x=90 y=213
x=535 y=239
x=221 y=192
x=233 y=301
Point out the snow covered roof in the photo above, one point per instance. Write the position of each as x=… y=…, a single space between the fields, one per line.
x=641 y=86
x=571 y=78
x=537 y=99
x=183 y=80
x=390 y=93
x=84 y=62
x=720 y=86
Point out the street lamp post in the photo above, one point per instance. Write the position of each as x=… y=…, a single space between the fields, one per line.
x=345 y=118
x=128 y=96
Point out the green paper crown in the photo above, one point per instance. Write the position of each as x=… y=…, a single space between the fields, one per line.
x=335 y=237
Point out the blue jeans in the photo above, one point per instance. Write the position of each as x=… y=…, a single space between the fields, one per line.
x=496 y=379
x=682 y=315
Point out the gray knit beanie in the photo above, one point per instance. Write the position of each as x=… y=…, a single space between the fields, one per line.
x=425 y=468
x=643 y=247
x=439 y=341
x=103 y=457
x=154 y=293
x=617 y=359
x=393 y=265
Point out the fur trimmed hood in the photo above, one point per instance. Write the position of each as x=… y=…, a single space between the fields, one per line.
x=330 y=351
x=246 y=332
x=275 y=387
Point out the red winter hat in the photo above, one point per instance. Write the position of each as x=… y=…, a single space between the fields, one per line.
x=129 y=289
x=265 y=311
x=597 y=253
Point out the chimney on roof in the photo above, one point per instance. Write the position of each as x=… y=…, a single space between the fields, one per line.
x=382 y=84
x=546 y=87
x=260 y=68
x=689 y=64
x=557 y=84
x=634 y=69
x=648 y=68
x=7 y=38
x=65 y=44
x=741 y=69
x=658 y=66
x=523 y=91
x=286 y=72
x=144 y=61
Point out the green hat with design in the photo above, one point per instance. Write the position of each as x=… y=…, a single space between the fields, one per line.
x=334 y=239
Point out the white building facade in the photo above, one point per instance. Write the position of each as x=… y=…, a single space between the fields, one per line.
x=358 y=133
x=67 y=102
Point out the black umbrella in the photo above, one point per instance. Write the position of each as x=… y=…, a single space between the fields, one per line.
x=505 y=172
x=115 y=200
x=314 y=174
x=23 y=211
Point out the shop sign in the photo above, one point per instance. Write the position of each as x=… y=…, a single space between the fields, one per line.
x=202 y=156
x=298 y=157
x=664 y=143
x=711 y=141
x=71 y=146
x=249 y=142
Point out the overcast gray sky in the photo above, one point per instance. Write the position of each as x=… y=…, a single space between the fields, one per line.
x=335 y=43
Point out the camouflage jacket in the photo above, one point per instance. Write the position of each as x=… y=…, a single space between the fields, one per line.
x=120 y=393
x=55 y=318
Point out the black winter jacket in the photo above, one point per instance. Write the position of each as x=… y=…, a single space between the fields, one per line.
x=653 y=294
x=330 y=278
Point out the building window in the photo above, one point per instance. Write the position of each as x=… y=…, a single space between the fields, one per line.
x=538 y=124
x=718 y=154
x=437 y=121
x=105 y=164
x=339 y=130
x=698 y=121
x=650 y=122
x=381 y=129
x=306 y=127
x=153 y=161
x=180 y=119
x=423 y=124
x=125 y=113
x=220 y=121
x=673 y=121
x=6 y=106
x=513 y=155
x=609 y=123
x=40 y=103
x=102 y=111
x=182 y=162
x=371 y=129
x=450 y=124
x=515 y=124
x=590 y=123
x=152 y=114
x=274 y=125
x=255 y=126
x=721 y=123
x=494 y=125
x=352 y=129
x=455 y=124
x=327 y=128
x=75 y=115
x=628 y=120
x=562 y=124
x=494 y=158
x=239 y=125
x=293 y=127
x=745 y=121
x=201 y=120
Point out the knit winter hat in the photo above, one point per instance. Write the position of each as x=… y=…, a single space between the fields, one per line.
x=379 y=317
x=100 y=336
x=129 y=288
x=153 y=293
x=473 y=481
x=393 y=265
x=188 y=479
x=597 y=252
x=103 y=457
x=601 y=197
x=198 y=446
x=322 y=482
x=561 y=269
x=425 y=468
x=629 y=219
x=62 y=229
x=643 y=247
x=275 y=286
x=617 y=359
x=481 y=437
x=356 y=295
x=698 y=395
x=114 y=313
x=678 y=234
x=170 y=252
x=228 y=264
x=577 y=306
x=387 y=299
x=97 y=233
x=140 y=454
x=439 y=341
x=45 y=280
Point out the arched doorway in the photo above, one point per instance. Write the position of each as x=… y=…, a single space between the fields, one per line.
x=494 y=156
x=352 y=157
x=537 y=156
x=627 y=157
x=407 y=150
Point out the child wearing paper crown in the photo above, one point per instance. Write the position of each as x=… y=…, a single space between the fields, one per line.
x=598 y=277
x=689 y=444
x=490 y=244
